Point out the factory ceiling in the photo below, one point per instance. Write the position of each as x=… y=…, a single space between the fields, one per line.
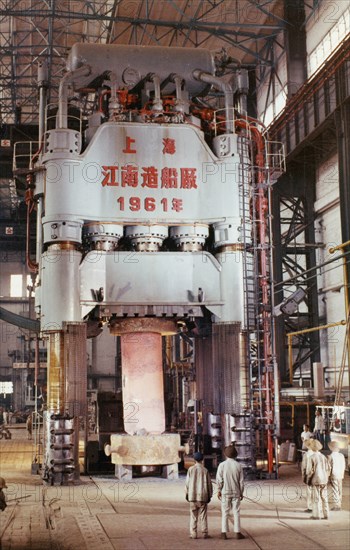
x=35 y=31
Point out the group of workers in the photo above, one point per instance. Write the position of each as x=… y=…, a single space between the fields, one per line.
x=317 y=472
x=320 y=432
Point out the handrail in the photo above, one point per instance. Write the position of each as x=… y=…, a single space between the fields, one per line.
x=333 y=249
x=53 y=116
x=29 y=154
x=305 y=331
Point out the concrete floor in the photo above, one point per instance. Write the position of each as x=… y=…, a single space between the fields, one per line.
x=151 y=513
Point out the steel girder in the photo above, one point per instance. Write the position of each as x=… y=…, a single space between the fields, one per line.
x=294 y=254
x=44 y=30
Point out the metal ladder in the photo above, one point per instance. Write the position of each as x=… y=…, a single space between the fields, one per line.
x=252 y=290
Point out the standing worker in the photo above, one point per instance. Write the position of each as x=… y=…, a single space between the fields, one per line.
x=320 y=427
x=305 y=435
x=317 y=474
x=229 y=479
x=309 y=489
x=337 y=466
x=2 y=494
x=199 y=490
x=29 y=425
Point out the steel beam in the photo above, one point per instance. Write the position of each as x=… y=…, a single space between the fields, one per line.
x=342 y=123
x=292 y=214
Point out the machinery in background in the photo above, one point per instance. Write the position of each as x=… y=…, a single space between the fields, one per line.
x=104 y=417
x=153 y=218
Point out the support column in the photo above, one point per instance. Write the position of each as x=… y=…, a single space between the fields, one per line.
x=342 y=119
x=55 y=373
x=64 y=419
x=295 y=45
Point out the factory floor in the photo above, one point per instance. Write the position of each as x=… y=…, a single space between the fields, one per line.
x=151 y=513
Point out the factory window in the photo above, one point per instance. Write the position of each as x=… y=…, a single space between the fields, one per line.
x=329 y=43
x=268 y=115
x=6 y=387
x=16 y=286
x=274 y=108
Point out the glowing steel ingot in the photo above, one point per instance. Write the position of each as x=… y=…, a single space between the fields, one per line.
x=142 y=372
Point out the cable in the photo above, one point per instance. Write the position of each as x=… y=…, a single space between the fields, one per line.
x=312 y=276
x=295 y=277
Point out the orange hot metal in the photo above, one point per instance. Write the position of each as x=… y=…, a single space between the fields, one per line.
x=143 y=390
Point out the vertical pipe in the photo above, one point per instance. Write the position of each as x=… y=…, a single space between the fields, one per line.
x=346 y=295
x=94 y=355
x=69 y=78
x=290 y=358
x=347 y=308
x=262 y=211
x=39 y=231
x=42 y=85
x=276 y=380
x=36 y=365
x=157 y=105
x=242 y=90
x=177 y=396
x=195 y=424
x=42 y=108
x=36 y=370
x=228 y=87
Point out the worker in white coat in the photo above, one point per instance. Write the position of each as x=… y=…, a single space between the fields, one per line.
x=199 y=490
x=319 y=428
x=229 y=479
x=305 y=435
x=309 y=489
x=337 y=468
x=317 y=474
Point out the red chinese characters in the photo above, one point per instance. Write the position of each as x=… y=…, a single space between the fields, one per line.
x=176 y=204
x=150 y=177
x=169 y=146
x=129 y=142
x=169 y=177
x=188 y=178
x=109 y=175
x=129 y=175
x=149 y=204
